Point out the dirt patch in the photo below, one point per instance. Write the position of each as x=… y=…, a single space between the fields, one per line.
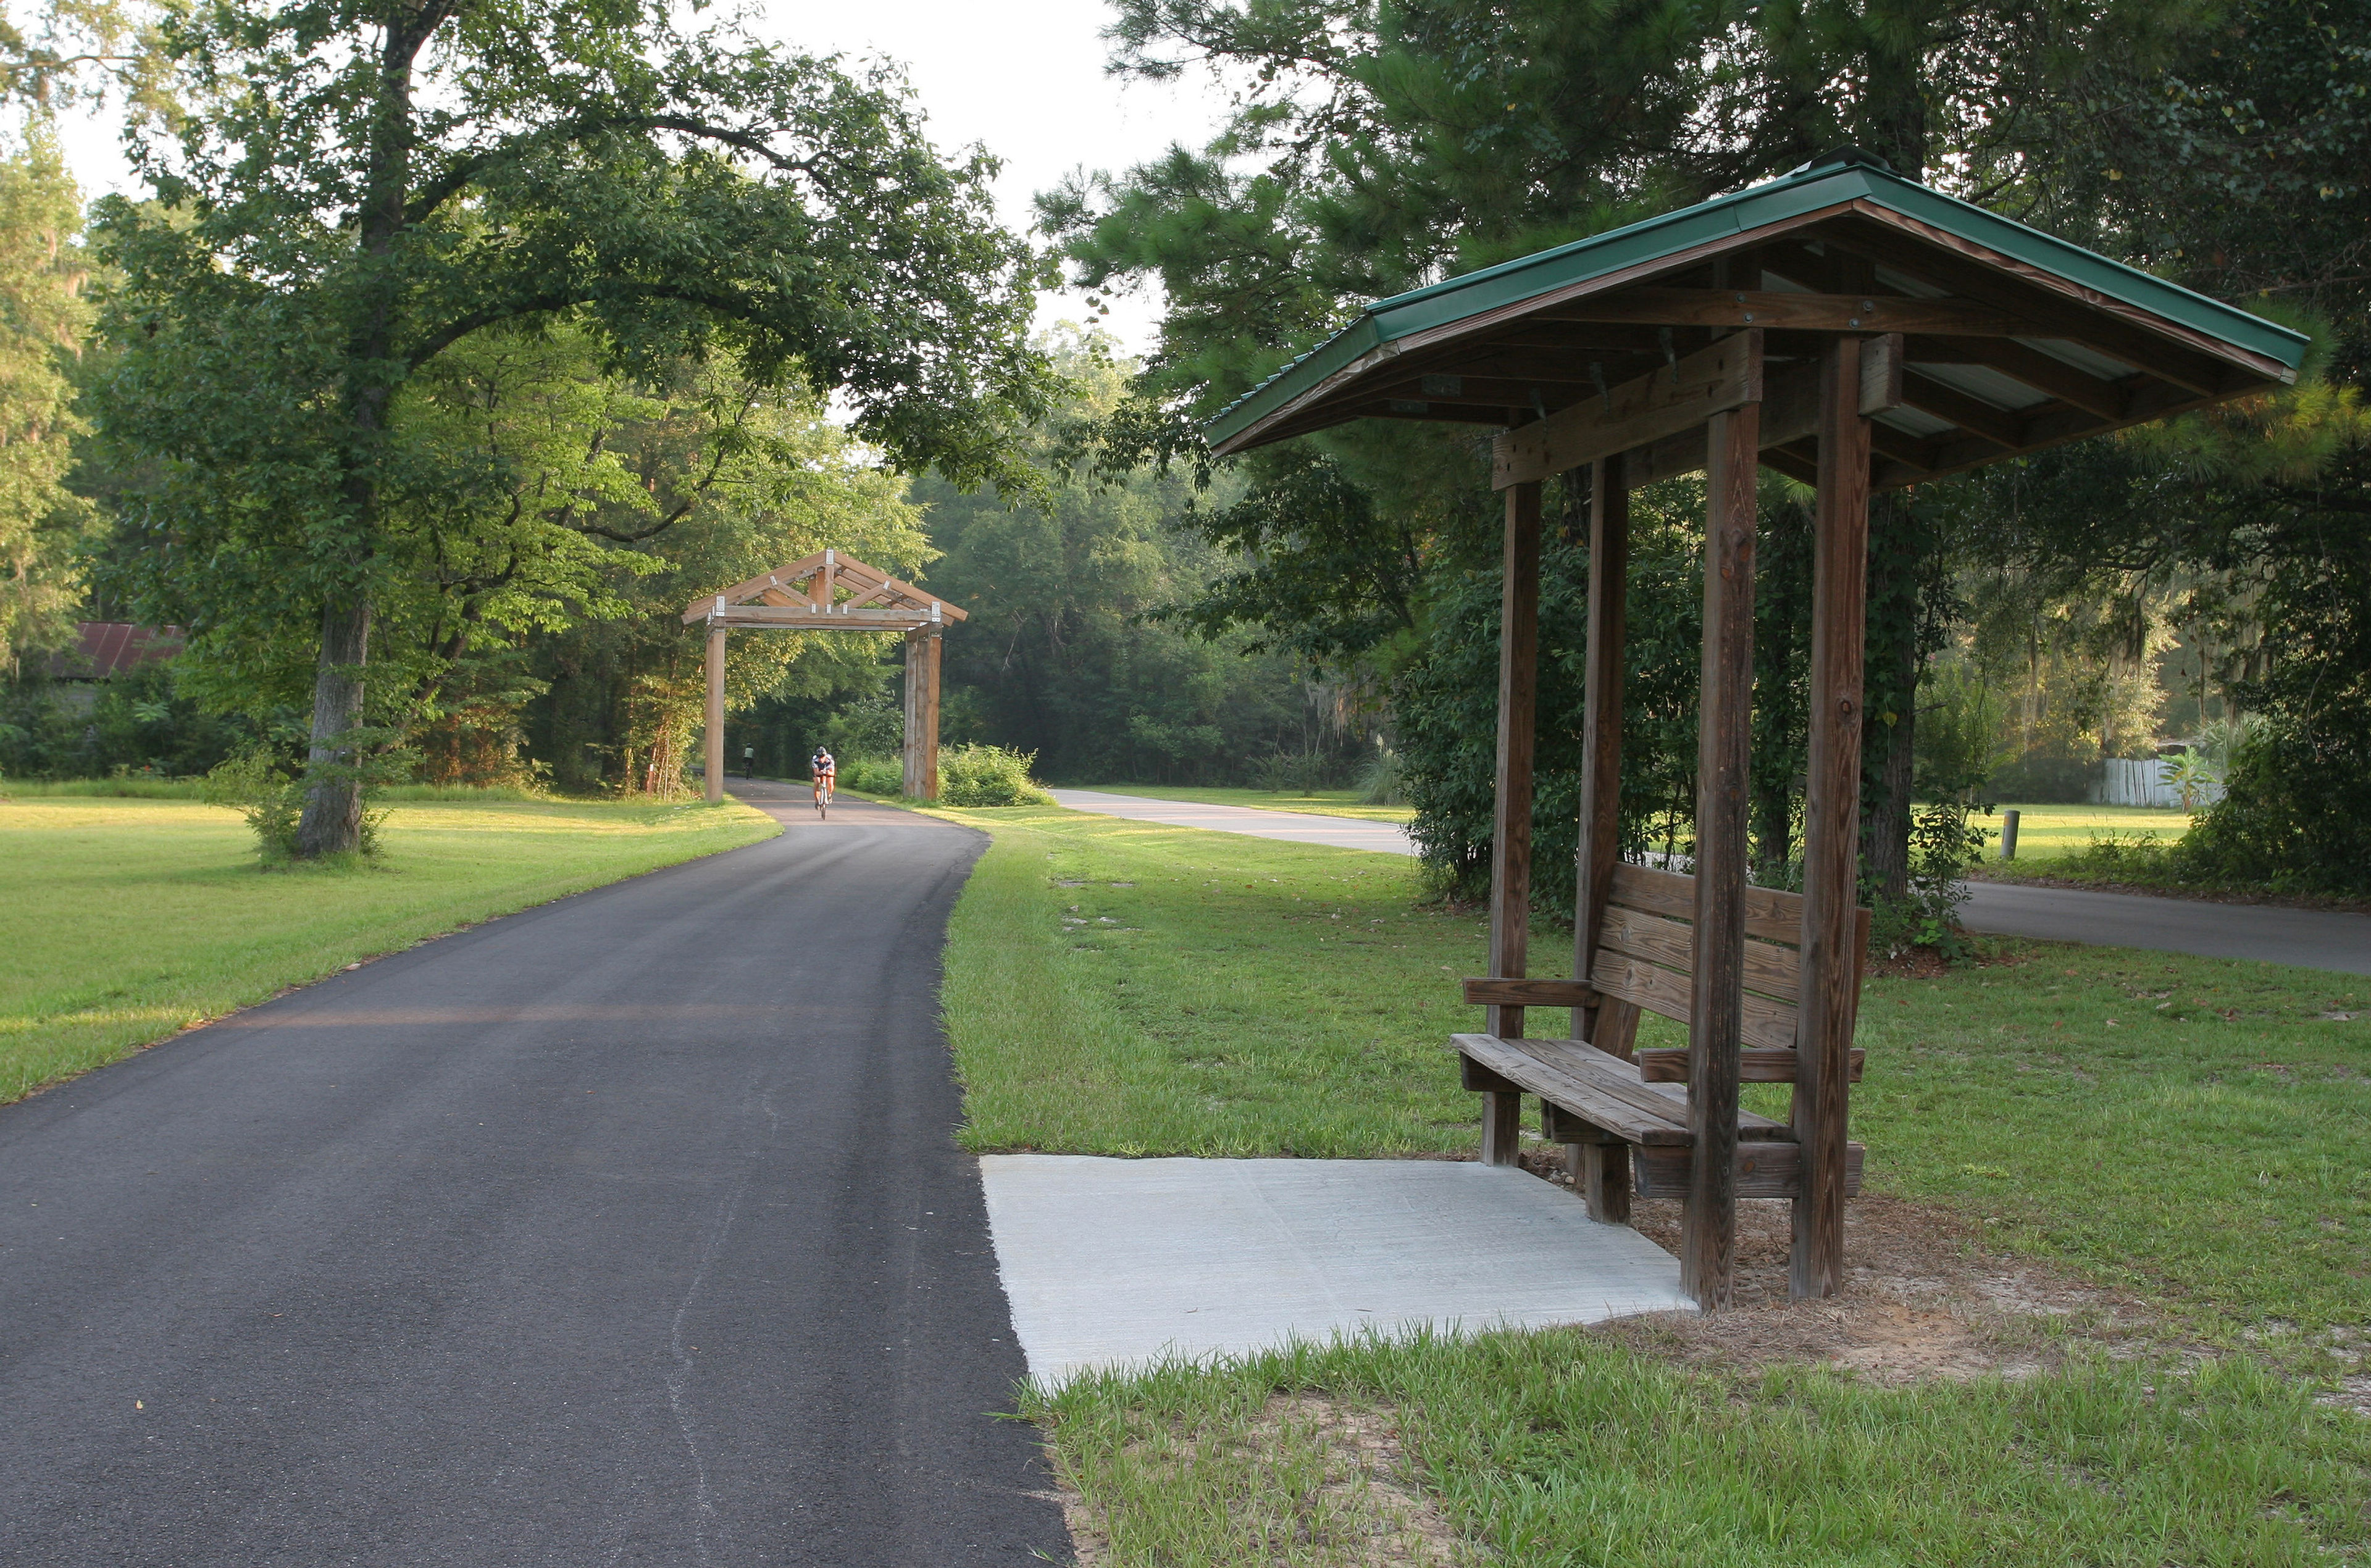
x=1928 y=964
x=1923 y=1297
x=1328 y=1480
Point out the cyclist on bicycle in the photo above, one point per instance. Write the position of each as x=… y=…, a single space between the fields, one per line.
x=825 y=770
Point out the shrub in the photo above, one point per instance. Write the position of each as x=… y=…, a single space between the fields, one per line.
x=2296 y=814
x=271 y=802
x=874 y=775
x=988 y=776
x=1380 y=782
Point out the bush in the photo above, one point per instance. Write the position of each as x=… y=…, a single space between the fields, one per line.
x=874 y=775
x=2295 y=815
x=274 y=804
x=1380 y=782
x=988 y=776
x=267 y=798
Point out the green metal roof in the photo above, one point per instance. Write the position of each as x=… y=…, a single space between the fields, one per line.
x=1827 y=182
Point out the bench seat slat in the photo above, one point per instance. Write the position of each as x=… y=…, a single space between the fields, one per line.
x=1603 y=1091
x=1641 y=1117
x=1750 y=1127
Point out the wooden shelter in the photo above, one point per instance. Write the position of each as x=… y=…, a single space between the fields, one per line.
x=1854 y=330
x=806 y=596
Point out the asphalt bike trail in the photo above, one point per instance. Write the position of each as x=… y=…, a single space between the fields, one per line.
x=628 y=1229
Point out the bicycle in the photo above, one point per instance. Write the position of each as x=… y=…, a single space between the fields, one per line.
x=823 y=797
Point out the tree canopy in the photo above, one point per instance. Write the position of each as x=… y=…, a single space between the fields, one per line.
x=351 y=192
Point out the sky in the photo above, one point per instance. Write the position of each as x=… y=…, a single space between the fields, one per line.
x=1025 y=80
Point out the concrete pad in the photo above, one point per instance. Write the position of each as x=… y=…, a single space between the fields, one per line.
x=1122 y=1263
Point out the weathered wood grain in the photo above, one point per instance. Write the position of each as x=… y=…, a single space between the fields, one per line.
x=1832 y=933
x=1510 y=829
x=1760 y=1171
x=1754 y=1065
x=1659 y=403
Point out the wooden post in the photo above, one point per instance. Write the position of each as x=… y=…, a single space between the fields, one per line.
x=1510 y=828
x=1724 y=726
x=1600 y=1172
x=927 y=725
x=1601 y=775
x=714 y=759
x=1829 y=994
x=909 y=783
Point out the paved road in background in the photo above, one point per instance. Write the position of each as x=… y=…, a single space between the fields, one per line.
x=624 y=1230
x=1292 y=827
x=2313 y=939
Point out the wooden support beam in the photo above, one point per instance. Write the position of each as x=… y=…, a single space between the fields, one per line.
x=1659 y=403
x=712 y=749
x=1511 y=832
x=1723 y=730
x=1601 y=724
x=821 y=589
x=1814 y=312
x=1484 y=992
x=802 y=616
x=927 y=726
x=1790 y=408
x=910 y=777
x=1829 y=960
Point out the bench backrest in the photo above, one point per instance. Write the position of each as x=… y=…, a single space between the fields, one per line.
x=1646 y=951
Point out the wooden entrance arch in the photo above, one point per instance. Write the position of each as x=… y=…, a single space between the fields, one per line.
x=806 y=596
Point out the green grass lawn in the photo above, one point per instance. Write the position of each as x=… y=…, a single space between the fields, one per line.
x=2189 y=1131
x=1324 y=803
x=124 y=919
x=2051 y=833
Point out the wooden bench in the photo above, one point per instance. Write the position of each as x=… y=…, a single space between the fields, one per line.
x=1622 y=1113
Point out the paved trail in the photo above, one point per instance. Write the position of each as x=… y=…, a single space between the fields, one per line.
x=625 y=1230
x=2312 y=937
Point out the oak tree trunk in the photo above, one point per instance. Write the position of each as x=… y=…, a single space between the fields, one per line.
x=333 y=823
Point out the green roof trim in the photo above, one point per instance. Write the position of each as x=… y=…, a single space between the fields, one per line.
x=1827 y=182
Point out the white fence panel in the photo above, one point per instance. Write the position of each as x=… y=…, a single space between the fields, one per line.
x=2127 y=783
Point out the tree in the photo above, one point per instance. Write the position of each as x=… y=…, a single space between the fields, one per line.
x=1066 y=653
x=43 y=319
x=1379 y=148
x=355 y=192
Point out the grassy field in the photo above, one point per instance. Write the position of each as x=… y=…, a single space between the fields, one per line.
x=2187 y=1130
x=123 y=919
x=1324 y=803
x=2051 y=833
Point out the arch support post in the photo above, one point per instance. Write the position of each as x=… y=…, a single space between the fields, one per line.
x=923 y=646
x=712 y=759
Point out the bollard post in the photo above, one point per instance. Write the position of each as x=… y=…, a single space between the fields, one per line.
x=2008 y=833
